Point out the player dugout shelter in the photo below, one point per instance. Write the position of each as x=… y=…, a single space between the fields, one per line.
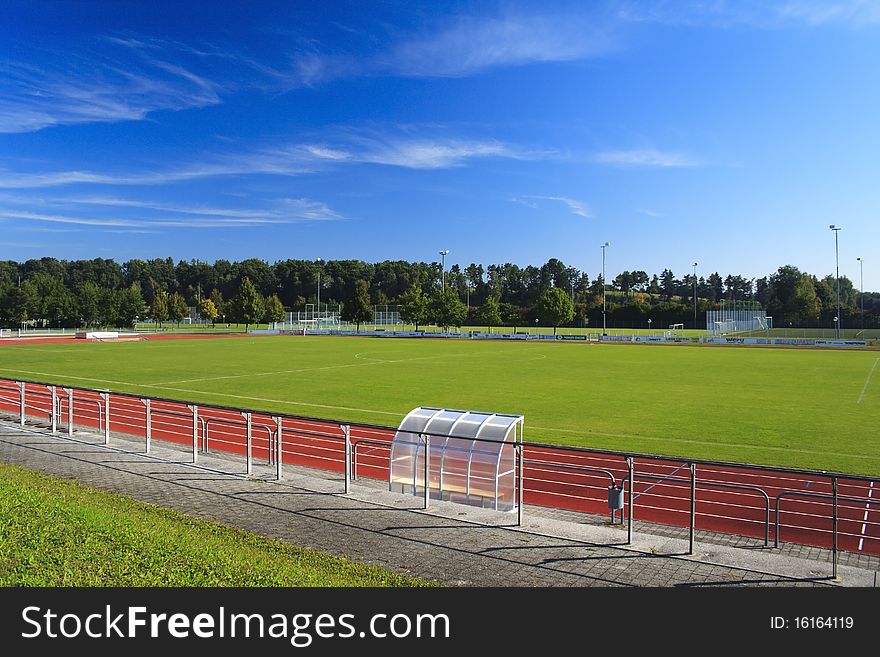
x=471 y=456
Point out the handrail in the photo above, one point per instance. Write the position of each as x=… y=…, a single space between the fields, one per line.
x=355 y=444
x=823 y=496
x=162 y=411
x=17 y=402
x=568 y=448
x=206 y=431
x=721 y=484
x=61 y=400
x=578 y=468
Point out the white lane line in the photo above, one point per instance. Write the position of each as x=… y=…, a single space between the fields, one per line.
x=865 y=519
x=868 y=380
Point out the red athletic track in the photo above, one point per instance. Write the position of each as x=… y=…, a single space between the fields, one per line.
x=320 y=444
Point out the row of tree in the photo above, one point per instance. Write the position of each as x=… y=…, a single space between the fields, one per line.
x=103 y=292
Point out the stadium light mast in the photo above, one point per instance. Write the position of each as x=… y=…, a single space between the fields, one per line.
x=443 y=254
x=836 y=229
x=319 y=291
x=695 y=294
x=862 y=290
x=571 y=280
x=604 y=246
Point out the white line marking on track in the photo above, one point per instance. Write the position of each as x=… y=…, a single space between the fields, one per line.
x=868 y=380
x=865 y=519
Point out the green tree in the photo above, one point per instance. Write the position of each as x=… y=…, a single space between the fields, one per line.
x=447 y=309
x=510 y=314
x=414 y=306
x=131 y=305
x=16 y=306
x=554 y=308
x=159 y=308
x=88 y=301
x=208 y=310
x=247 y=305
x=177 y=308
x=490 y=313
x=803 y=304
x=274 y=309
x=357 y=307
x=220 y=303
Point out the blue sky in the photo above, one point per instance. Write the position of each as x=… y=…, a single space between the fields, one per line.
x=728 y=133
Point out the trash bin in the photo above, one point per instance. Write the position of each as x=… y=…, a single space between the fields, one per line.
x=615 y=497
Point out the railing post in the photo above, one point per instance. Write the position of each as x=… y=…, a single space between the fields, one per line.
x=630 y=462
x=21 y=399
x=346 y=431
x=69 y=411
x=834 y=527
x=249 y=467
x=195 y=444
x=354 y=463
x=519 y=486
x=693 y=519
x=106 y=396
x=279 y=447
x=427 y=469
x=149 y=428
x=53 y=390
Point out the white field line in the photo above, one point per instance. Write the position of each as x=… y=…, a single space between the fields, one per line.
x=400 y=414
x=865 y=519
x=313 y=369
x=868 y=380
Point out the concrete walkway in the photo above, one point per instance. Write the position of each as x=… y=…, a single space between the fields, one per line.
x=447 y=543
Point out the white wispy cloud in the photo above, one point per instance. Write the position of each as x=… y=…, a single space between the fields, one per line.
x=420 y=152
x=575 y=206
x=647 y=157
x=469 y=44
x=430 y=153
x=651 y=213
x=126 y=82
x=284 y=211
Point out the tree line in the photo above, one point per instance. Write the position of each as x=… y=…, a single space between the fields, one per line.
x=101 y=291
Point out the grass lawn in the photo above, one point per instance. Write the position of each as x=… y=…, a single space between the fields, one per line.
x=57 y=532
x=795 y=407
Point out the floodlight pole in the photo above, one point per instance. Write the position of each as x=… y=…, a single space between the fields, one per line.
x=443 y=254
x=318 y=322
x=836 y=229
x=862 y=290
x=604 y=325
x=695 y=294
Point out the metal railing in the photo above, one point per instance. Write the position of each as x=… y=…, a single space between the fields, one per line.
x=835 y=500
x=693 y=483
x=539 y=490
x=575 y=468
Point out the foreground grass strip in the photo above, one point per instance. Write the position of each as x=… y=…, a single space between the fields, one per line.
x=55 y=532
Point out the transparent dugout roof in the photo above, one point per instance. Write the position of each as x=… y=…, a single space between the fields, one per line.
x=472 y=456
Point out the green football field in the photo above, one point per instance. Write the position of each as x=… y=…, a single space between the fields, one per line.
x=794 y=407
